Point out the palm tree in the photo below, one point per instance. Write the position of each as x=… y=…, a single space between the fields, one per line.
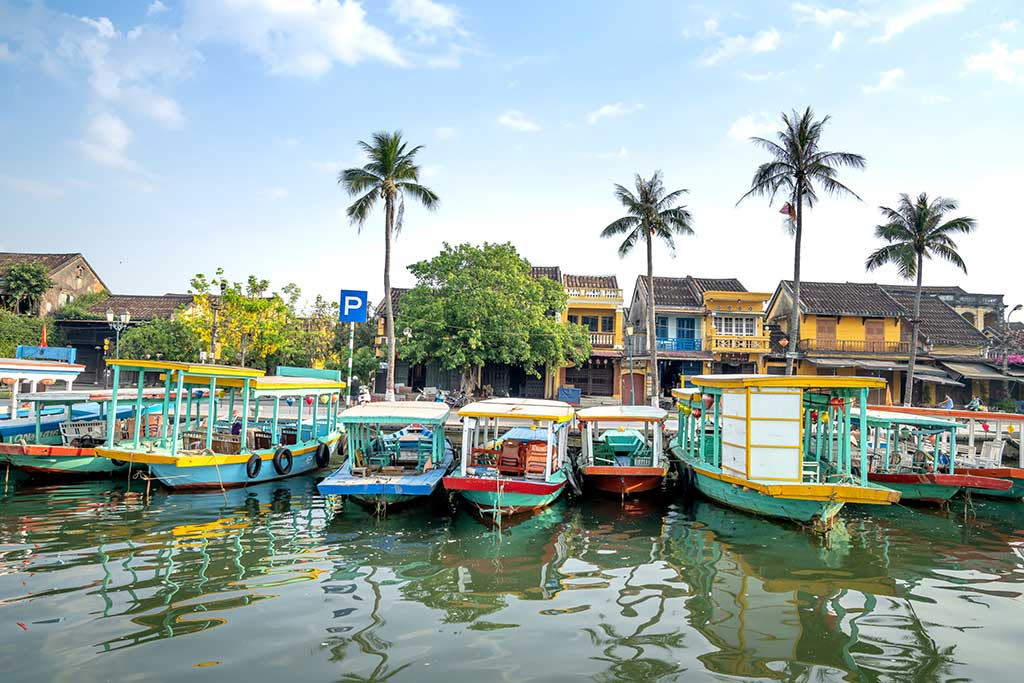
x=917 y=230
x=798 y=169
x=390 y=175
x=651 y=213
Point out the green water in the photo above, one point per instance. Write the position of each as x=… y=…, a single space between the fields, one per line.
x=96 y=584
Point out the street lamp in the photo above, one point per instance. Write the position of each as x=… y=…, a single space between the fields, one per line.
x=117 y=325
x=1006 y=338
x=629 y=350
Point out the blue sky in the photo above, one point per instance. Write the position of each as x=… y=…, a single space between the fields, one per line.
x=167 y=138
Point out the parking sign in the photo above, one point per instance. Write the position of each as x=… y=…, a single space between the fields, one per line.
x=354 y=306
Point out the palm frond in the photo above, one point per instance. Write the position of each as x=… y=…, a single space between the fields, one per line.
x=949 y=254
x=628 y=243
x=424 y=195
x=619 y=226
x=360 y=209
x=358 y=180
x=900 y=255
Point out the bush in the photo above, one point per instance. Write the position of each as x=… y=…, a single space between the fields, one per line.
x=17 y=329
x=79 y=308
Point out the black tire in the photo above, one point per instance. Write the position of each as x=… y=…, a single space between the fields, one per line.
x=118 y=463
x=86 y=441
x=323 y=455
x=283 y=461
x=253 y=466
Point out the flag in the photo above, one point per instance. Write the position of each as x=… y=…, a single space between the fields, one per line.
x=42 y=341
x=888 y=396
x=788 y=210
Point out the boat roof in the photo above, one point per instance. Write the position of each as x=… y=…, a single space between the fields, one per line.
x=878 y=416
x=953 y=414
x=277 y=385
x=19 y=365
x=792 y=381
x=521 y=408
x=622 y=414
x=87 y=396
x=397 y=412
x=202 y=369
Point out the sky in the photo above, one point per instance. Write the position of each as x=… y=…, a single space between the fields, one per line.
x=162 y=138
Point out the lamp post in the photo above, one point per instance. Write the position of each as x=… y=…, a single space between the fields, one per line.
x=117 y=325
x=1006 y=343
x=629 y=350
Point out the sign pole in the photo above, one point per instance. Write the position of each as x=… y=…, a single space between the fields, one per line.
x=351 y=351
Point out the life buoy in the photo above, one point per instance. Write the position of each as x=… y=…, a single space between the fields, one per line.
x=282 y=461
x=323 y=455
x=253 y=466
x=118 y=463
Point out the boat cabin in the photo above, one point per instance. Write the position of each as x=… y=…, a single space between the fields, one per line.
x=395 y=437
x=900 y=443
x=16 y=373
x=514 y=438
x=631 y=436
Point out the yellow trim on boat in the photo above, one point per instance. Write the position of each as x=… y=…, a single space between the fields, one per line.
x=820 y=492
x=188 y=368
x=185 y=459
x=794 y=381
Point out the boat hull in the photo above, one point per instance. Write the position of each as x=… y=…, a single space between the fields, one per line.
x=1014 y=475
x=373 y=491
x=934 y=487
x=58 y=460
x=623 y=481
x=493 y=495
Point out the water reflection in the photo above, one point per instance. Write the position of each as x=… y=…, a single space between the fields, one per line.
x=261 y=581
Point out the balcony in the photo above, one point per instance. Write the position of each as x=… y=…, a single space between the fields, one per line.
x=602 y=340
x=854 y=346
x=584 y=296
x=721 y=343
x=678 y=344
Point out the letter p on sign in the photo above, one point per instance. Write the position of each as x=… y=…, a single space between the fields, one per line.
x=353 y=306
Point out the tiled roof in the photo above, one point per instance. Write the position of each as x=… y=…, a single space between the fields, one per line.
x=711 y=284
x=49 y=261
x=551 y=272
x=845 y=298
x=590 y=281
x=940 y=324
x=142 y=307
x=396 y=297
x=927 y=289
x=687 y=292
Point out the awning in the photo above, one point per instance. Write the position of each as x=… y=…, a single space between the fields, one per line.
x=881 y=365
x=861 y=363
x=938 y=379
x=833 y=362
x=975 y=371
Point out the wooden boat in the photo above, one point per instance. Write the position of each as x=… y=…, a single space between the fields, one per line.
x=622 y=460
x=197 y=452
x=386 y=469
x=14 y=372
x=776 y=446
x=64 y=444
x=905 y=454
x=988 y=462
x=520 y=469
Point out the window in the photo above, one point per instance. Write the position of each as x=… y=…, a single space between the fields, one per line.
x=736 y=326
x=589 y=322
x=574 y=319
x=607 y=323
x=661 y=327
x=686 y=328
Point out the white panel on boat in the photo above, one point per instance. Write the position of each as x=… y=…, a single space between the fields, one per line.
x=775 y=463
x=734 y=459
x=734 y=404
x=774 y=433
x=775 y=404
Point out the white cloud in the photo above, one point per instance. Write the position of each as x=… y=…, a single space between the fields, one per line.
x=517 y=120
x=837 y=40
x=294 y=37
x=731 y=46
x=156 y=7
x=105 y=141
x=1008 y=26
x=936 y=99
x=919 y=12
x=430 y=171
x=1004 y=65
x=425 y=15
x=332 y=167
x=751 y=125
x=6 y=54
x=32 y=187
x=610 y=111
x=621 y=153
x=832 y=16
x=886 y=82
x=277 y=192
x=445 y=132
x=711 y=26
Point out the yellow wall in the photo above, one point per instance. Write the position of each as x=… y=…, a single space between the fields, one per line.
x=848 y=328
x=599 y=310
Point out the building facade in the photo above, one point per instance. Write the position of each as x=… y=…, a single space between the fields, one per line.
x=71 y=274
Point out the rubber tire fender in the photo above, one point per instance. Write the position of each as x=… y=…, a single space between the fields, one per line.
x=283 y=461
x=253 y=466
x=323 y=455
x=86 y=441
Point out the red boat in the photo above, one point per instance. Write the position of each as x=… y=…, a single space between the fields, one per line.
x=627 y=457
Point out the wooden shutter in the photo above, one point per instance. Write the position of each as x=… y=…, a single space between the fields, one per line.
x=826 y=334
x=874 y=335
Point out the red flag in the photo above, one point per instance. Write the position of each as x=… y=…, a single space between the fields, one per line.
x=42 y=342
x=788 y=209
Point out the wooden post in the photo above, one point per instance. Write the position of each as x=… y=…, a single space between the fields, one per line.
x=547 y=465
x=138 y=408
x=274 y=436
x=112 y=415
x=163 y=409
x=211 y=413
x=177 y=412
x=245 y=414
x=863 y=436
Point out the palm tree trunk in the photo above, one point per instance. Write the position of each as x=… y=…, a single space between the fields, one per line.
x=794 y=313
x=389 y=312
x=652 y=340
x=908 y=389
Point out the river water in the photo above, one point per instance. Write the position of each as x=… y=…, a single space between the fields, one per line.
x=270 y=584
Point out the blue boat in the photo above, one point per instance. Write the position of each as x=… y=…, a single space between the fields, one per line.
x=387 y=469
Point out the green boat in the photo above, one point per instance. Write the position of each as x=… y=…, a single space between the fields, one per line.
x=776 y=446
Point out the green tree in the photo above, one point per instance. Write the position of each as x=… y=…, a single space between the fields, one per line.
x=364 y=359
x=78 y=309
x=652 y=213
x=17 y=330
x=798 y=169
x=24 y=286
x=310 y=339
x=914 y=231
x=172 y=340
x=390 y=175
x=474 y=305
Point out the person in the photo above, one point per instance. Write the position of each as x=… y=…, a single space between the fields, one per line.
x=975 y=404
x=947 y=403
x=236 y=423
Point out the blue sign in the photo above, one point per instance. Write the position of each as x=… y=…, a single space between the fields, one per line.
x=354 y=306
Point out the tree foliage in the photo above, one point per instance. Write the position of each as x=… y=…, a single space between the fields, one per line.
x=474 y=305
x=25 y=330
x=78 y=309
x=173 y=340
x=24 y=286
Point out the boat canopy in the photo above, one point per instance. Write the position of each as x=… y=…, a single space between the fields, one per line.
x=397 y=412
x=520 y=409
x=279 y=385
x=82 y=396
x=201 y=369
x=879 y=418
x=791 y=382
x=621 y=414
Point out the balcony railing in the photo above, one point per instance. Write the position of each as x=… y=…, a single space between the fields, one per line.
x=737 y=344
x=594 y=294
x=603 y=340
x=854 y=346
x=678 y=344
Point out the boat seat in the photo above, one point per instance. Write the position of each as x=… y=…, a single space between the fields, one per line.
x=811 y=471
x=424 y=452
x=604 y=455
x=536 y=460
x=509 y=459
x=483 y=456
